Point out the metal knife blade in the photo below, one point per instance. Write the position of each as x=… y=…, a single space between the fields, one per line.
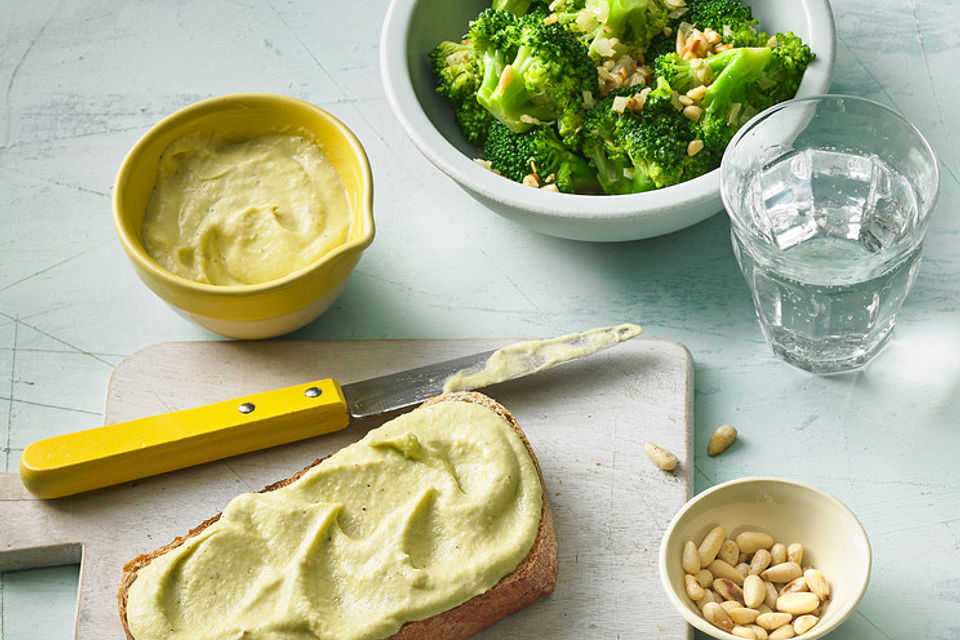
x=405 y=388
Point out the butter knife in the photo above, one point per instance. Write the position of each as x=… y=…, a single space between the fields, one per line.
x=115 y=453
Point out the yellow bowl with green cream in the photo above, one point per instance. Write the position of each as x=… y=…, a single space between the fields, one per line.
x=277 y=306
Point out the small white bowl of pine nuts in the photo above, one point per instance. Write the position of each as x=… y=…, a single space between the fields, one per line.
x=765 y=559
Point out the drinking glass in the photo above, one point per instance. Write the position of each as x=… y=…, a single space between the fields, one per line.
x=829 y=198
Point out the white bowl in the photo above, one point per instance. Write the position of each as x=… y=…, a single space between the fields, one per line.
x=833 y=539
x=413 y=27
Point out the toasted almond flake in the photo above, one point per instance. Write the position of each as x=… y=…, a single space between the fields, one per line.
x=695 y=147
x=550 y=187
x=634 y=104
x=692 y=112
x=619 y=104
x=697 y=93
x=675 y=101
x=531 y=180
x=772 y=42
x=486 y=164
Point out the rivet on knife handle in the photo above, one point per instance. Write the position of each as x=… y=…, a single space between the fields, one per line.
x=115 y=453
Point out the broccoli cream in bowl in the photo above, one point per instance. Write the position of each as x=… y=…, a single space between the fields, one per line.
x=246 y=213
x=616 y=113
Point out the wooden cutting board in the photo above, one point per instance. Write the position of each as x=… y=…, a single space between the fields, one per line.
x=586 y=421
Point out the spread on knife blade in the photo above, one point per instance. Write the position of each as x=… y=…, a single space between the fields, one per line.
x=536 y=355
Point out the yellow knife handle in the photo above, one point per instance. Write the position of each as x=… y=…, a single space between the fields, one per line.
x=115 y=453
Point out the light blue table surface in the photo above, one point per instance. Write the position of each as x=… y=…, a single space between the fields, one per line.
x=81 y=81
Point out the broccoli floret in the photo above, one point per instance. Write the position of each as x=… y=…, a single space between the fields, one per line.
x=538 y=151
x=533 y=73
x=644 y=149
x=633 y=23
x=458 y=77
x=753 y=79
x=782 y=77
x=455 y=68
x=730 y=18
x=682 y=75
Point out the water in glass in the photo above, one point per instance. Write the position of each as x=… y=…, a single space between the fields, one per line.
x=823 y=258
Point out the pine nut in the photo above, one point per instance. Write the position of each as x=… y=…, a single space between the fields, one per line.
x=722 y=438
x=795 y=553
x=694 y=590
x=758 y=597
x=771 y=621
x=804 y=623
x=771 y=595
x=705 y=578
x=799 y=584
x=759 y=631
x=778 y=553
x=729 y=552
x=691 y=558
x=783 y=572
x=660 y=456
x=743 y=615
x=727 y=590
x=752 y=541
x=685 y=100
x=721 y=569
x=716 y=616
x=754 y=592
x=760 y=561
x=817 y=583
x=710 y=545
x=798 y=603
x=784 y=632
x=695 y=146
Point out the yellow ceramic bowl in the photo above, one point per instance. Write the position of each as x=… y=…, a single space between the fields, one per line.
x=270 y=308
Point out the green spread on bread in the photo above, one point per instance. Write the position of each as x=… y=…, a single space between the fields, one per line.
x=421 y=515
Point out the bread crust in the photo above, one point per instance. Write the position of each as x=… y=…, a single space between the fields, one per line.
x=533 y=578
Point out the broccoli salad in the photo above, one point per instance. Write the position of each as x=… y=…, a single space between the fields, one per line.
x=612 y=96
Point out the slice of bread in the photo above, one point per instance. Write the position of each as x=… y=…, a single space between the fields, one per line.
x=532 y=579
